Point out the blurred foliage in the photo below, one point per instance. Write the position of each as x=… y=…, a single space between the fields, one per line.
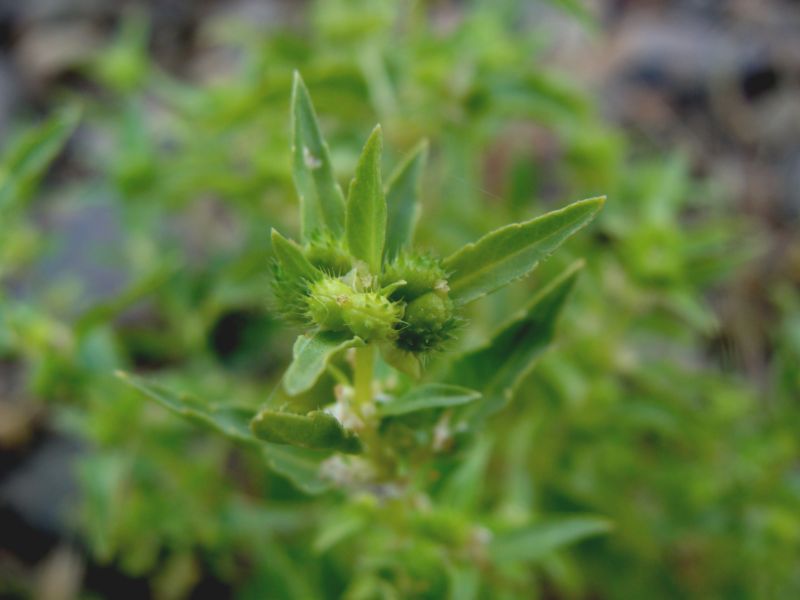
x=154 y=258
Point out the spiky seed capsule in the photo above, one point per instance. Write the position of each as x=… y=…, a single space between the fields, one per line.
x=373 y=317
x=327 y=303
x=430 y=311
x=430 y=322
x=289 y=295
x=335 y=306
x=328 y=255
x=429 y=319
x=418 y=315
x=422 y=274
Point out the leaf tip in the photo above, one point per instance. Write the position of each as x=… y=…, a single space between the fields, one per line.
x=376 y=137
x=574 y=268
x=598 y=202
x=297 y=80
x=256 y=421
x=299 y=92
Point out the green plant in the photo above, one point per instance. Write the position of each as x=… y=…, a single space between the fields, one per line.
x=630 y=403
x=24 y=162
x=342 y=418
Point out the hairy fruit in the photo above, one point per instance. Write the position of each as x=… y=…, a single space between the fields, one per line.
x=373 y=317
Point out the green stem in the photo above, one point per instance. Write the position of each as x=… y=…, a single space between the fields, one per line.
x=364 y=372
x=364 y=405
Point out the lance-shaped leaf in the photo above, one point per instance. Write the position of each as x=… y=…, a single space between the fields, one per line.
x=498 y=367
x=403 y=361
x=537 y=541
x=301 y=466
x=428 y=396
x=293 y=262
x=312 y=353
x=402 y=200
x=513 y=251
x=464 y=582
x=339 y=526
x=27 y=159
x=232 y=421
x=316 y=397
x=316 y=431
x=464 y=487
x=321 y=199
x=365 y=222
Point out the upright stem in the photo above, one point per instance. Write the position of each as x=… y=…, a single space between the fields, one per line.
x=365 y=409
x=364 y=372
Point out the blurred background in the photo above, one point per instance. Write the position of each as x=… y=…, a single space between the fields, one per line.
x=145 y=157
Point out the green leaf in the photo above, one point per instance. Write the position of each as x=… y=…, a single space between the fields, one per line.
x=498 y=367
x=231 y=421
x=464 y=582
x=316 y=431
x=429 y=396
x=292 y=260
x=537 y=541
x=365 y=222
x=312 y=353
x=321 y=199
x=403 y=361
x=28 y=158
x=402 y=199
x=462 y=490
x=301 y=466
x=316 y=397
x=339 y=526
x=513 y=251
x=515 y=485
